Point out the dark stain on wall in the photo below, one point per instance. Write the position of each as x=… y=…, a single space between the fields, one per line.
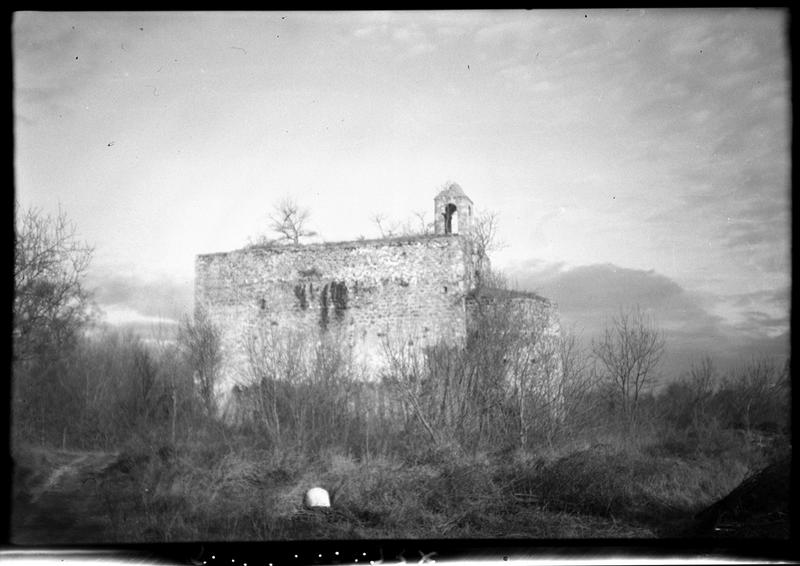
x=300 y=293
x=323 y=311
x=333 y=294
x=339 y=298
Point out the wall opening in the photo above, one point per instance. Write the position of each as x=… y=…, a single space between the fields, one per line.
x=450 y=219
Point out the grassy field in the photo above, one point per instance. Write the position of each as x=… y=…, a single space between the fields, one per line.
x=223 y=486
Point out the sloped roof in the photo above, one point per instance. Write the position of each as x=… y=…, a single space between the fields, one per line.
x=453 y=190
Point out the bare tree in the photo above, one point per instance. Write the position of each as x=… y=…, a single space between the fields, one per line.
x=629 y=352
x=50 y=301
x=483 y=237
x=531 y=365
x=200 y=341
x=289 y=220
x=579 y=380
x=701 y=381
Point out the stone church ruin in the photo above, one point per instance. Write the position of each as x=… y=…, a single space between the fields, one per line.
x=416 y=290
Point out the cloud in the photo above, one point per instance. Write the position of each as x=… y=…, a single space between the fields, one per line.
x=117 y=315
x=778 y=298
x=367 y=31
x=151 y=309
x=408 y=37
x=159 y=332
x=766 y=321
x=60 y=56
x=589 y=296
x=528 y=78
x=590 y=286
x=520 y=30
x=132 y=299
x=764 y=312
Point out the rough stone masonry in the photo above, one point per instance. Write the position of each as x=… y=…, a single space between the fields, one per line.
x=420 y=289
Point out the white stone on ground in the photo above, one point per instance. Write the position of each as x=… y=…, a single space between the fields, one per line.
x=317 y=497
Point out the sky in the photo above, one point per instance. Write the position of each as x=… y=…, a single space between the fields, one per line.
x=631 y=156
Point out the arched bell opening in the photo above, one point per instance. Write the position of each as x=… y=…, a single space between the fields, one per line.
x=450 y=219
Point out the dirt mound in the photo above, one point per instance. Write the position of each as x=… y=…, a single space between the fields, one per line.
x=52 y=500
x=758 y=507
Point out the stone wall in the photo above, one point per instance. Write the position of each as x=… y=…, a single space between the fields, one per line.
x=536 y=336
x=366 y=291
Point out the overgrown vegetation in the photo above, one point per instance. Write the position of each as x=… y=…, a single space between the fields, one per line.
x=433 y=449
x=120 y=439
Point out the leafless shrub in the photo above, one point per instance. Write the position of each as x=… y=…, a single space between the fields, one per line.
x=300 y=391
x=756 y=395
x=416 y=226
x=702 y=382
x=406 y=376
x=262 y=241
x=200 y=342
x=686 y=401
x=499 y=388
x=579 y=379
x=380 y=221
x=112 y=385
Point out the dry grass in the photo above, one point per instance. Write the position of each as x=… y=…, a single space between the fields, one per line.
x=226 y=489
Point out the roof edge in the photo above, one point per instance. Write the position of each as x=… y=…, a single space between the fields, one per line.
x=373 y=242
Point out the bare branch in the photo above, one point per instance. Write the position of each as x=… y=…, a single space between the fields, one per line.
x=629 y=351
x=50 y=302
x=425 y=227
x=483 y=237
x=379 y=219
